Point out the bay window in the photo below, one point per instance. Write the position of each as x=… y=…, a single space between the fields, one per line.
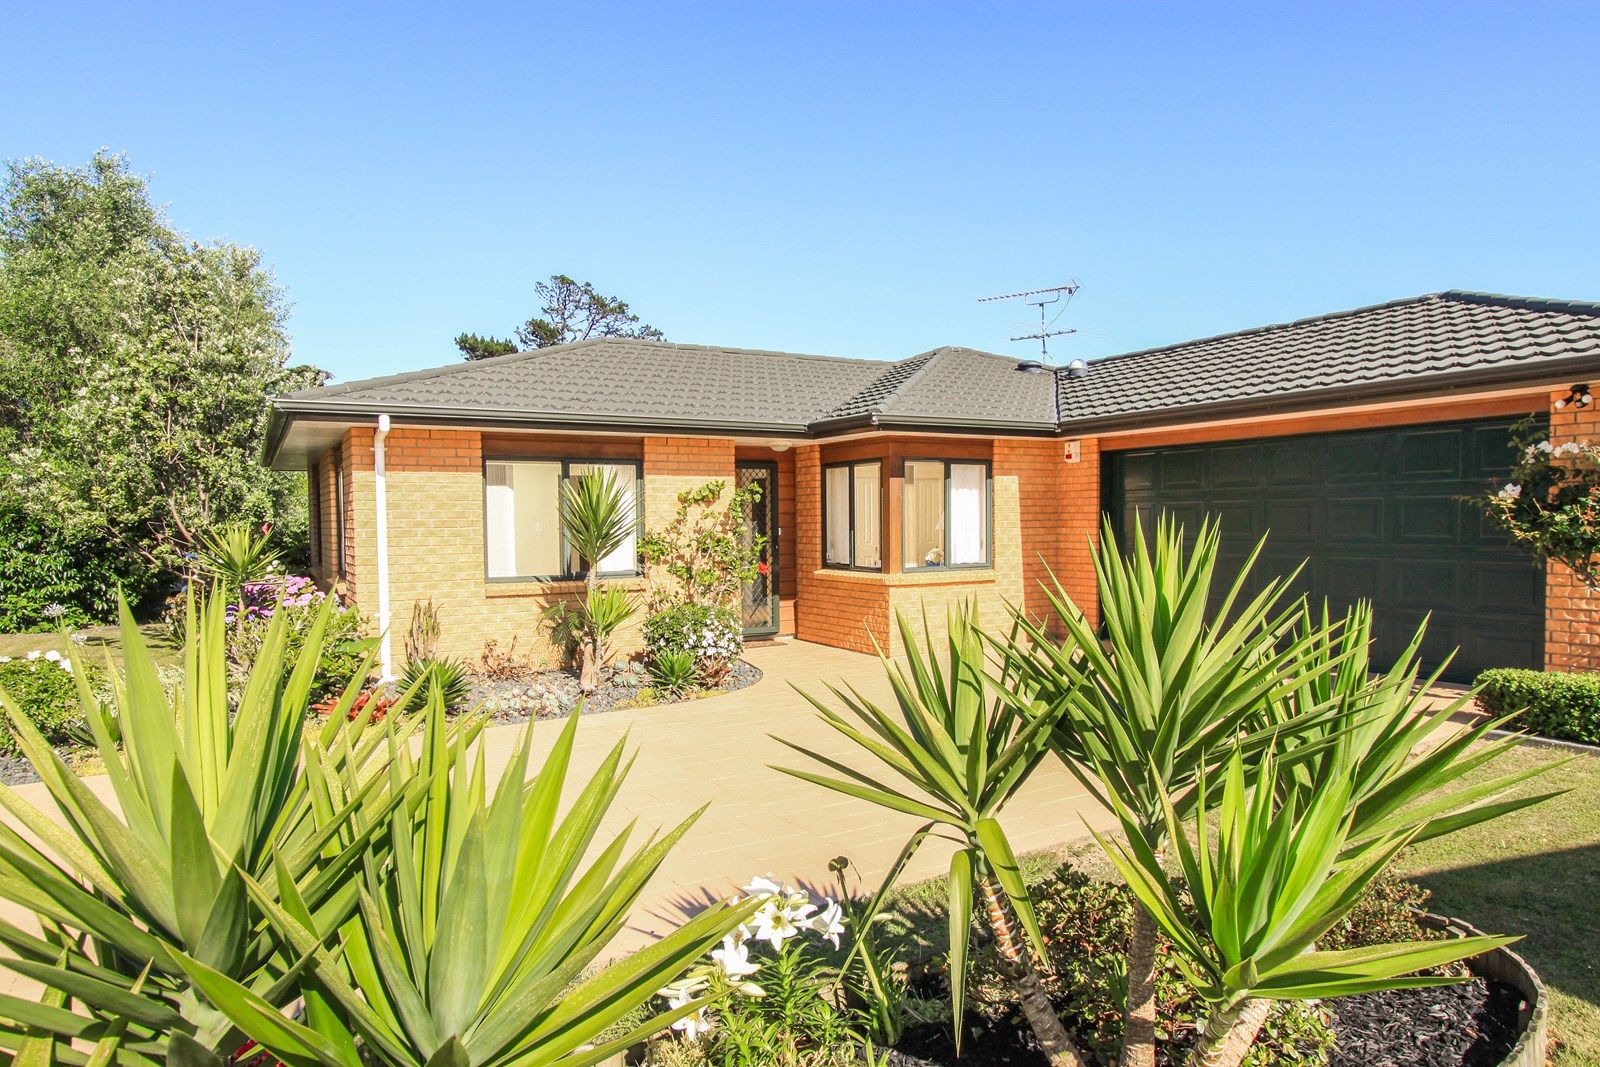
x=852 y=516
x=522 y=518
x=945 y=518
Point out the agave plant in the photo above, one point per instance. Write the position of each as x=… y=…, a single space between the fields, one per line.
x=1279 y=871
x=596 y=520
x=964 y=751
x=451 y=676
x=209 y=795
x=1145 y=706
x=475 y=938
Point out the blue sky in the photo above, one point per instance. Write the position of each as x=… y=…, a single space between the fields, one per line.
x=839 y=178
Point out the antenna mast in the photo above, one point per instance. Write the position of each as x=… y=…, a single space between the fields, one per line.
x=1046 y=298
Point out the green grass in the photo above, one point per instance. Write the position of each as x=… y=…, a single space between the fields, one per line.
x=1534 y=873
x=100 y=640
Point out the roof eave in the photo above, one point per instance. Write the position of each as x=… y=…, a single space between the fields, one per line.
x=1441 y=384
x=931 y=424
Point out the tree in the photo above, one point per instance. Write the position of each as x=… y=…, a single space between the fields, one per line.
x=474 y=346
x=135 y=367
x=570 y=311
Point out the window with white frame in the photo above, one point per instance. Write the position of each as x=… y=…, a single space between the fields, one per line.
x=522 y=518
x=852 y=515
x=945 y=517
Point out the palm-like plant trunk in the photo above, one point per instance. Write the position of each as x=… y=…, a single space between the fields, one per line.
x=589 y=647
x=1036 y=1007
x=1139 y=1021
x=1229 y=1033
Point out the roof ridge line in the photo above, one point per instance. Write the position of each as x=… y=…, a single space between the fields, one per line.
x=927 y=361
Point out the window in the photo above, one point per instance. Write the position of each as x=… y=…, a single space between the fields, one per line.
x=852 y=516
x=522 y=518
x=945 y=518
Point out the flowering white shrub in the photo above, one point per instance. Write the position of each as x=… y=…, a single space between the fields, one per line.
x=714 y=637
x=786 y=914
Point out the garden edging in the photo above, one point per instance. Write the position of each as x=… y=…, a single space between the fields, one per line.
x=1503 y=965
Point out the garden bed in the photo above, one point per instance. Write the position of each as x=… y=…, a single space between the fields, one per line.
x=554 y=693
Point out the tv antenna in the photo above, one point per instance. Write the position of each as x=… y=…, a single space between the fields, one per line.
x=1046 y=297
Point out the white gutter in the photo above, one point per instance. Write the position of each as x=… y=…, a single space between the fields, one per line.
x=381 y=503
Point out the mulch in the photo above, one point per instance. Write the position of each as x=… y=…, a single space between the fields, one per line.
x=1472 y=1024
x=513 y=698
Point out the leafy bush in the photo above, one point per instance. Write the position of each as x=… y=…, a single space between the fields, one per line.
x=41 y=567
x=673 y=670
x=1551 y=504
x=1563 y=706
x=41 y=685
x=344 y=645
x=713 y=636
x=450 y=675
x=708 y=550
x=502 y=666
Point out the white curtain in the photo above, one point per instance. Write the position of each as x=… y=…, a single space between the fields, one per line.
x=869 y=518
x=836 y=487
x=968 y=514
x=500 y=521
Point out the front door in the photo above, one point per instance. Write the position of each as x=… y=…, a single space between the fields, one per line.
x=759 y=602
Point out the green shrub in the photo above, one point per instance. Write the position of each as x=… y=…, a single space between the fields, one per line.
x=713 y=636
x=1563 y=706
x=40 y=567
x=344 y=647
x=45 y=692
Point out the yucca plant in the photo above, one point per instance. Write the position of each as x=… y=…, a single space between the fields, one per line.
x=672 y=671
x=956 y=752
x=475 y=937
x=1383 y=732
x=596 y=520
x=236 y=554
x=1184 y=663
x=1276 y=873
x=451 y=677
x=210 y=793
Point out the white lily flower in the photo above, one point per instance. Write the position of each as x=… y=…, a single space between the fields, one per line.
x=694 y=1025
x=733 y=958
x=764 y=887
x=829 y=922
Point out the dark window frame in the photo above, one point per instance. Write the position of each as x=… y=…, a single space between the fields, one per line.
x=567 y=462
x=988 y=515
x=883 y=518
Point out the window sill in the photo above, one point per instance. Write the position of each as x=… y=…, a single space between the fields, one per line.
x=521 y=587
x=921 y=576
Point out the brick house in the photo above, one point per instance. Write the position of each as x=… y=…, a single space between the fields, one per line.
x=908 y=484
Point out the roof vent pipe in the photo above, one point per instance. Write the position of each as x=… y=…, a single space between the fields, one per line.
x=1077 y=369
x=1029 y=366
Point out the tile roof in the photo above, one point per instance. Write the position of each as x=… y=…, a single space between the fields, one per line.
x=1434 y=342
x=1421 y=342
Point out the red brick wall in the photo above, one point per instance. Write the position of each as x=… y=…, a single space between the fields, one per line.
x=1572 y=610
x=841 y=609
x=1059 y=505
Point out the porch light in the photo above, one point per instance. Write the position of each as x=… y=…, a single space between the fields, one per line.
x=1579 y=395
x=778 y=446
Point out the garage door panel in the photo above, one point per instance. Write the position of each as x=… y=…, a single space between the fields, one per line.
x=1380 y=514
x=1356 y=458
x=1358 y=520
x=1234 y=466
x=1430 y=455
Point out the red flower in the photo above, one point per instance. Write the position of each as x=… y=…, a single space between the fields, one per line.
x=763 y=569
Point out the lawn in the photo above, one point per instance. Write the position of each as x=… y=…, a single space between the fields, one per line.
x=1535 y=873
x=99 y=640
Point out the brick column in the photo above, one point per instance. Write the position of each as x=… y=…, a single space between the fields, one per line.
x=1572 y=610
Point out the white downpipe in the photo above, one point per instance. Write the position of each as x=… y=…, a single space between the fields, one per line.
x=381 y=499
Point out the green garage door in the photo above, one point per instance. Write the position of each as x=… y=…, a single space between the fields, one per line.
x=1379 y=516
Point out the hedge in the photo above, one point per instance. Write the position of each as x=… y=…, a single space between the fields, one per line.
x=1562 y=706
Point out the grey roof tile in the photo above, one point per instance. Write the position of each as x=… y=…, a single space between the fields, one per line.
x=1403 y=343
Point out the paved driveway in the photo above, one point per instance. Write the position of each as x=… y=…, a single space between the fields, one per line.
x=718 y=750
